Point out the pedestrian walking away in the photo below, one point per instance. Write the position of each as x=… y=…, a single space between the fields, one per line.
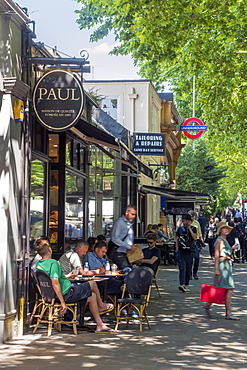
x=223 y=268
x=185 y=236
x=198 y=245
x=211 y=235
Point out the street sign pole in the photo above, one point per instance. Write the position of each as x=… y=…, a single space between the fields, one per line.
x=193 y=104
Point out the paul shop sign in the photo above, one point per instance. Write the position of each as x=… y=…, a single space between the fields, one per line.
x=147 y=143
x=58 y=100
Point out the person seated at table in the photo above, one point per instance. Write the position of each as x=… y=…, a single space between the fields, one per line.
x=96 y=261
x=92 y=240
x=71 y=259
x=149 y=230
x=160 y=233
x=68 y=292
x=101 y=238
x=152 y=254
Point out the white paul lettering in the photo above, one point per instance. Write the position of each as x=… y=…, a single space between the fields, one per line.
x=57 y=94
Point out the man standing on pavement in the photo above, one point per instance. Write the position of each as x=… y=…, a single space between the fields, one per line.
x=197 y=249
x=202 y=221
x=122 y=239
x=185 y=236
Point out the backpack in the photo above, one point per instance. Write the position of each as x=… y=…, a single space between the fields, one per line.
x=184 y=240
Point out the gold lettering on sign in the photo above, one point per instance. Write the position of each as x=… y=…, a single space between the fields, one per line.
x=51 y=93
x=59 y=94
x=73 y=95
x=42 y=91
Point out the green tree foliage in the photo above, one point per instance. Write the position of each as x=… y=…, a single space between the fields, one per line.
x=198 y=171
x=174 y=40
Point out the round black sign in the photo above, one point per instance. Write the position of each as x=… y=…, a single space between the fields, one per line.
x=58 y=100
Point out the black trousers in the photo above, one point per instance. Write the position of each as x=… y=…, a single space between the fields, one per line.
x=211 y=242
x=121 y=260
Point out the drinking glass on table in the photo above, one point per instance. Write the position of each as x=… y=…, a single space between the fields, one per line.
x=75 y=272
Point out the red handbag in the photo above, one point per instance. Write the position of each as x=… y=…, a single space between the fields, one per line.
x=213 y=294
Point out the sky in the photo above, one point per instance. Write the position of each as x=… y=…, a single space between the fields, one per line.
x=55 y=25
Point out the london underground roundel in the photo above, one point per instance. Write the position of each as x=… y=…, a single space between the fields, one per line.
x=199 y=127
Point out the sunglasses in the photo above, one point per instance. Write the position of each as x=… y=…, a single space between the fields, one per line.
x=150 y=242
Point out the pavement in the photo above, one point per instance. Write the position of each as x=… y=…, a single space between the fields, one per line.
x=181 y=336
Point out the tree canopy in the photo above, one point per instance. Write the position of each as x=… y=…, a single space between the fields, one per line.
x=175 y=40
x=197 y=170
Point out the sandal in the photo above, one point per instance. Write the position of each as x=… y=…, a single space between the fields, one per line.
x=109 y=330
x=231 y=317
x=110 y=308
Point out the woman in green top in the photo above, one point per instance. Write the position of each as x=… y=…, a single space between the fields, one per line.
x=223 y=267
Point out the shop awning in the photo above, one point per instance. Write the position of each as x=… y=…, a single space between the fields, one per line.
x=95 y=135
x=179 y=195
x=99 y=137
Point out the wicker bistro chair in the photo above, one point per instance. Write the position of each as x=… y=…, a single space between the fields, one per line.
x=138 y=285
x=155 y=282
x=50 y=306
x=38 y=298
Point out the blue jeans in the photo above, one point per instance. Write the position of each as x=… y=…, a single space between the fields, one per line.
x=196 y=258
x=185 y=260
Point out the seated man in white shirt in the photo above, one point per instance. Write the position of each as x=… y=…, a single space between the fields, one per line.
x=70 y=260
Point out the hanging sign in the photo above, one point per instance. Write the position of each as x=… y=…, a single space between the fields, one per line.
x=148 y=143
x=58 y=100
x=199 y=127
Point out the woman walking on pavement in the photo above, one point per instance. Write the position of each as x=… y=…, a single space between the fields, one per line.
x=211 y=235
x=223 y=268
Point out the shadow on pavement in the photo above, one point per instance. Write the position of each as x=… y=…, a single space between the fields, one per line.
x=181 y=336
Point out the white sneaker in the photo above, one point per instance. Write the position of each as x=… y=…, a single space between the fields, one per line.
x=187 y=289
x=182 y=288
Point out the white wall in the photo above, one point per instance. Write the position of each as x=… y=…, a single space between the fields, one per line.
x=137 y=101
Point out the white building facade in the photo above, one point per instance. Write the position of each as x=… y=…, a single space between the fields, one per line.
x=137 y=106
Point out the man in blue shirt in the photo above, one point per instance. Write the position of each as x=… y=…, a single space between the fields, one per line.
x=97 y=262
x=95 y=259
x=122 y=239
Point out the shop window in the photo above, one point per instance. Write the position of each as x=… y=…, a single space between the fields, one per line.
x=75 y=154
x=53 y=215
x=74 y=207
x=92 y=190
x=38 y=169
x=69 y=144
x=110 y=106
x=75 y=160
x=82 y=158
x=54 y=148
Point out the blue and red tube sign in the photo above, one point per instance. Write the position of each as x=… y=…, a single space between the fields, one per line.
x=199 y=127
